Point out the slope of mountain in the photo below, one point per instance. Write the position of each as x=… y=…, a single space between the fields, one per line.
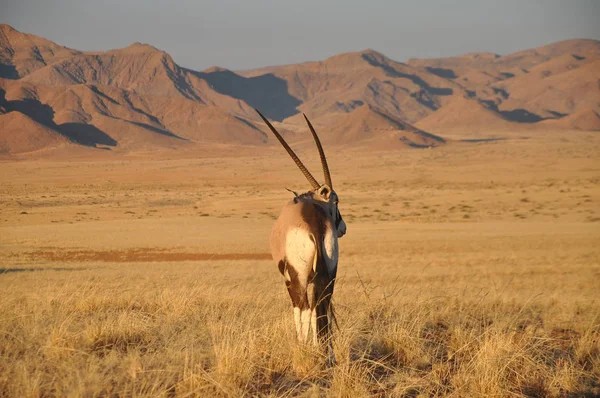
x=527 y=59
x=452 y=67
x=139 y=68
x=22 y=53
x=266 y=92
x=23 y=134
x=367 y=123
x=554 y=90
x=530 y=85
x=519 y=62
x=138 y=98
x=343 y=82
x=585 y=119
x=466 y=115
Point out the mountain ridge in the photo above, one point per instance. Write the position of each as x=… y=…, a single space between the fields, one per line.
x=138 y=98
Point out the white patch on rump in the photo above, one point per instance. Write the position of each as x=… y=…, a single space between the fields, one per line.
x=300 y=253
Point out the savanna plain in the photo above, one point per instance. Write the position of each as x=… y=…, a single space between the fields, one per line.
x=471 y=269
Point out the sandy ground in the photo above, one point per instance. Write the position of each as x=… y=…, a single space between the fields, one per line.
x=539 y=186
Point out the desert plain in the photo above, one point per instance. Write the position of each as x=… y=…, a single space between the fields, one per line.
x=470 y=269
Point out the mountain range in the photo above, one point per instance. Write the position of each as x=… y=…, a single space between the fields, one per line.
x=139 y=99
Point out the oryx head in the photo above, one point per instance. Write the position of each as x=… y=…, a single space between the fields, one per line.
x=321 y=193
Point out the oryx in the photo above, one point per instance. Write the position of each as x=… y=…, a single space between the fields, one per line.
x=304 y=244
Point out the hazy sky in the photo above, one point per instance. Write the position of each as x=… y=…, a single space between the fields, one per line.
x=253 y=33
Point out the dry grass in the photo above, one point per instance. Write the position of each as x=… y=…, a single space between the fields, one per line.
x=430 y=303
x=181 y=328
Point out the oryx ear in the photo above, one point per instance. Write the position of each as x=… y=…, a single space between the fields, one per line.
x=294 y=192
x=324 y=192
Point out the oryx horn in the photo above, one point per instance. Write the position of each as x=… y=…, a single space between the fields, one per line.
x=321 y=153
x=289 y=150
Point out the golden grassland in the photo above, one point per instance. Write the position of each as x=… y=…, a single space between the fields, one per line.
x=468 y=270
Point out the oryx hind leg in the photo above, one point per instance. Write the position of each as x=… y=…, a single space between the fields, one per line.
x=324 y=309
x=298 y=294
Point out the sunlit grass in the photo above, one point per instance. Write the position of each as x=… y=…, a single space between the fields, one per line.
x=177 y=329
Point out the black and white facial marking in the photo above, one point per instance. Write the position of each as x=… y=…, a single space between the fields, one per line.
x=326 y=194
